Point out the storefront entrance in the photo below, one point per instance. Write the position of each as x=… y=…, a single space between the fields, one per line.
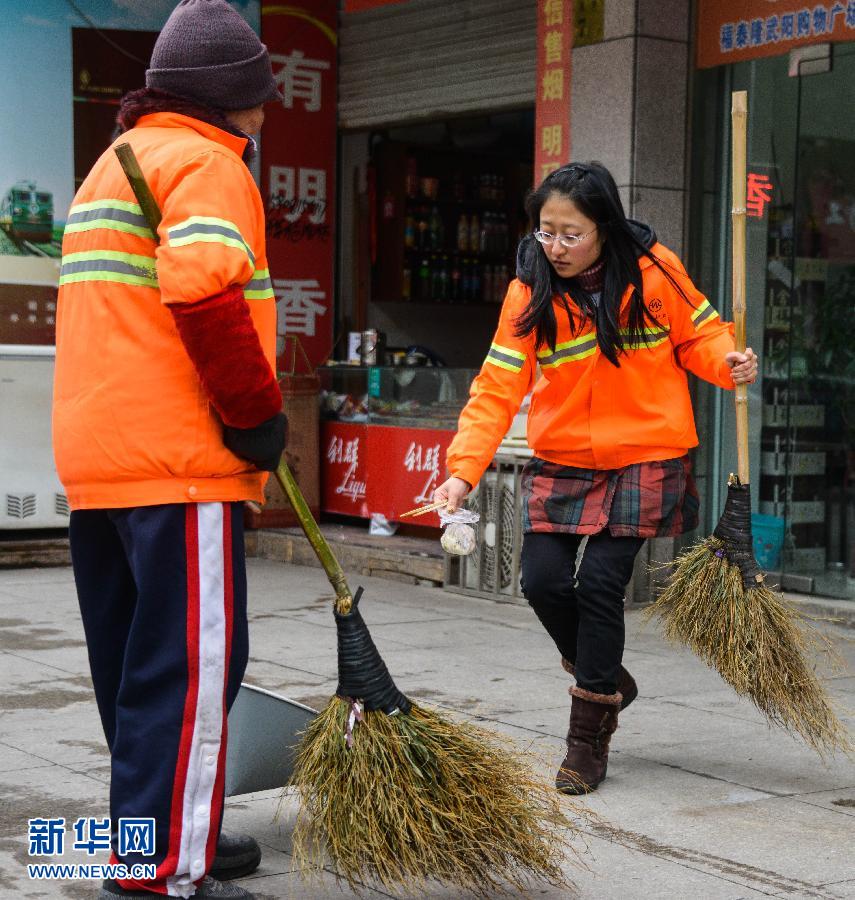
x=801 y=297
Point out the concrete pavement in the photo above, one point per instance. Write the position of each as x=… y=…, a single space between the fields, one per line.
x=703 y=799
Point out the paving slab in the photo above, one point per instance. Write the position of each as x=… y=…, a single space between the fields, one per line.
x=703 y=799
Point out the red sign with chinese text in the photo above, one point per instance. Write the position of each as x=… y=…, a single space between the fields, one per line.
x=405 y=465
x=758 y=194
x=344 y=468
x=381 y=469
x=298 y=162
x=552 y=106
x=731 y=31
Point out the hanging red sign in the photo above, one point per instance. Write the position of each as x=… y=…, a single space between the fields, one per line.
x=298 y=161
x=552 y=105
x=731 y=31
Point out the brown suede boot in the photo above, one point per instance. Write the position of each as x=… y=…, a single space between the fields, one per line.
x=593 y=721
x=626 y=685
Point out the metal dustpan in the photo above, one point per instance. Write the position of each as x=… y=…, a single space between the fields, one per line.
x=264 y=731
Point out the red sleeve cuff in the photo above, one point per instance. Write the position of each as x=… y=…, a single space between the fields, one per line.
x=222 y=342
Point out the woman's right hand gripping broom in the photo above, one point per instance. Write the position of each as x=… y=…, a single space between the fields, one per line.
x=452 y=493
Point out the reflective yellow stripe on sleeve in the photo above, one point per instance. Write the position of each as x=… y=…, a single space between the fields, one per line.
x=209 y=230
x=114 y=215
x=505 y=358
x=704 y=314
x=259 y=287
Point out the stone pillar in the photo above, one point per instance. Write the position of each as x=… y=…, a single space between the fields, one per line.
x=630 y=111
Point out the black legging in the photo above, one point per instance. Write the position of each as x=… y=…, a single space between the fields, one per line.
x=582 y=611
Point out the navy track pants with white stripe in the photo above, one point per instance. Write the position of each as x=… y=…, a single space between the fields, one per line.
x=162 y=592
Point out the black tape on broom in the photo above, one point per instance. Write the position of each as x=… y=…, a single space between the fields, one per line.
x=734 y=531
x=362 y=674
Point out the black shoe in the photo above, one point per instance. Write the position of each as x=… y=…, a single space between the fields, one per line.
x=237 y=856
x=209 y=889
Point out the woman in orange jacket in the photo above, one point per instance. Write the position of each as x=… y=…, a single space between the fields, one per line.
x=615 y=324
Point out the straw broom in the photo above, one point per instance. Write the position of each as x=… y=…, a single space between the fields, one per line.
x=395 y=792
x=715 y=600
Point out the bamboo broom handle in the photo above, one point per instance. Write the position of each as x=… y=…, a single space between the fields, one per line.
x=335 y=574
x=332 y=567
x=739 y=117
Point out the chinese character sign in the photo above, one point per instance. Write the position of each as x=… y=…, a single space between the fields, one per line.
x=298 y=160
x=758 y=194
x=735 y=30
x=552 y=105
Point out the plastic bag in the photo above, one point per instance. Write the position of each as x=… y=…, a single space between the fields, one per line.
x=458 y=536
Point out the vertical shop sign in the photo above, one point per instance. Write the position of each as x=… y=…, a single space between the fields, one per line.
x=298 y=160
x=732 y=31
x=552 y=106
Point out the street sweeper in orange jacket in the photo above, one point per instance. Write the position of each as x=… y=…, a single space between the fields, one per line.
x=167 y=413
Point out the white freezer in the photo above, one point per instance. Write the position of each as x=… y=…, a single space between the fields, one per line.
x=30 y=493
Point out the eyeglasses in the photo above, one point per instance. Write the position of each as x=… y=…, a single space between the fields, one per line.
x=568 y=241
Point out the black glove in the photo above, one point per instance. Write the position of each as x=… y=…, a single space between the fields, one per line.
x=262 y=445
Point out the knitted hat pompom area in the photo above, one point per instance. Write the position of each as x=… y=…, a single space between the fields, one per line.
x=207 y=52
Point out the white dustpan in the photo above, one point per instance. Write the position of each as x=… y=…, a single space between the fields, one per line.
x=264 y=730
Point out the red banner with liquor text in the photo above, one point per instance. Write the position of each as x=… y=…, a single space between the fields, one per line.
x=298 y=165
x=731 y=31
x=552 y=106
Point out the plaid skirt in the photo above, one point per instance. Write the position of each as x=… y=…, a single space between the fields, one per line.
x=648 y=499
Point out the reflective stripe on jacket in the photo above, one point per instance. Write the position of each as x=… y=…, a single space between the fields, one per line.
x=132 y=425
x=585 y=412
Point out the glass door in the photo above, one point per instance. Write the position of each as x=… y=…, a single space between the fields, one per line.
x=801 y=310
x=809 y=450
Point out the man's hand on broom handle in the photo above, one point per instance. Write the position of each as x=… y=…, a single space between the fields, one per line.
x=452 y=493
x=743 y=366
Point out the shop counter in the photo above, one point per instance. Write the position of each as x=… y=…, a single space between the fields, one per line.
x=384 y=434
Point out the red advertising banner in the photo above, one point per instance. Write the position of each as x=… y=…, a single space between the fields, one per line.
x=379 y=469
x=344 y=469
x=552 y=106
x=405 y=465
x=298 y=163
x=731 y=31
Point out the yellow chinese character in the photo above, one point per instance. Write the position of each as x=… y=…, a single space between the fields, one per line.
x=550 y=140
x=553 y=84
x=546 y=169
x=553 y=46
x=553 y=11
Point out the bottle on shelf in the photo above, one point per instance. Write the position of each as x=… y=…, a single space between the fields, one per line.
x=454 y=285
x=443 y=280
x=476 y=281
x=410 y=231
x=436 y=229
x=463 y=233
x=406 y=282
x=424 y=285
x=474 y=233
x=412 y=179
x=422 y=232
x=488 y=282
x=465 y=280
x=484 y=238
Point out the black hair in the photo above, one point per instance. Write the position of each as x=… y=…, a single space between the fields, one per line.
x=593 y=190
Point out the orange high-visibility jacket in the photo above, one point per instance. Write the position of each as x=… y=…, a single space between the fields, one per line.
x=132 y=425
x=584 y=411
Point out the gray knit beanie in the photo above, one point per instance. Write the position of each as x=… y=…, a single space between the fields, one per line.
x=207 y=52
